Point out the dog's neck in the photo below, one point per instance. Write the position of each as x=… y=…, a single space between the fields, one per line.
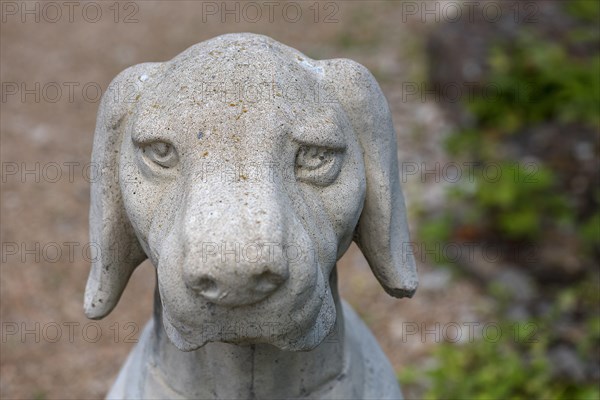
x=223 y=370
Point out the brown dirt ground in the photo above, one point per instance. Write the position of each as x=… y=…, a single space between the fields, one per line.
x=48 y=292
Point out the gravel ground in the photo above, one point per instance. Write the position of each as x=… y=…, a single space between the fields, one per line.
x=47 y=292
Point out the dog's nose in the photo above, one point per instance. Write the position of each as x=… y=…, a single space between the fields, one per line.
x=236 y=288
x=235 y=240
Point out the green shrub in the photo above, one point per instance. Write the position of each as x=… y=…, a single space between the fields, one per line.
x=503 y=370
x=535 y=82
x=531 y=81
x=509 y=365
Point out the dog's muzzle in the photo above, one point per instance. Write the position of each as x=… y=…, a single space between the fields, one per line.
x=240 y=260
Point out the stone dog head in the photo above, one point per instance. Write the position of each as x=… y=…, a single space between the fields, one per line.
x=243 y=170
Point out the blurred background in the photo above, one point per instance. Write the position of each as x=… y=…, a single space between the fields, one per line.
x=496 y=107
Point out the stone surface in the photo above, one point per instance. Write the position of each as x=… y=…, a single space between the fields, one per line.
x=243 y=170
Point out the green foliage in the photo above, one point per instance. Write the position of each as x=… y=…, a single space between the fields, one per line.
x=585 y=10
x=436 y=230
x=535 y=80
x=518 y=197
x=508 y=362
x=488 y=370
x=507 y=198
x=506 y=369
x=590 y=232
x=531 y=81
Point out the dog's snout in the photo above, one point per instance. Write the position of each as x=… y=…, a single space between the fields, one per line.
x=235 y=287
x=235 y=247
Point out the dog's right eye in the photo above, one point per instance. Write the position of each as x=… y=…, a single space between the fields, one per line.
x=160 y=153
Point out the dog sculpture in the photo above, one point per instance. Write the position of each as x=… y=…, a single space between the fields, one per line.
x=243 y=170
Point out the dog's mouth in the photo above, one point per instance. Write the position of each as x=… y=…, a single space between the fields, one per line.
x=290 y=321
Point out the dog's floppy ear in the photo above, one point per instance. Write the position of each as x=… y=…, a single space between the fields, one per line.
x=117 y=250
x=382 y=231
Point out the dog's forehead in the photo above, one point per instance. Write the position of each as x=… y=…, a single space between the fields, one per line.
x=238 y=89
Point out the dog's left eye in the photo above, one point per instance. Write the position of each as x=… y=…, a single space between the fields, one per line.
x=318 y=165
x=160 y=153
